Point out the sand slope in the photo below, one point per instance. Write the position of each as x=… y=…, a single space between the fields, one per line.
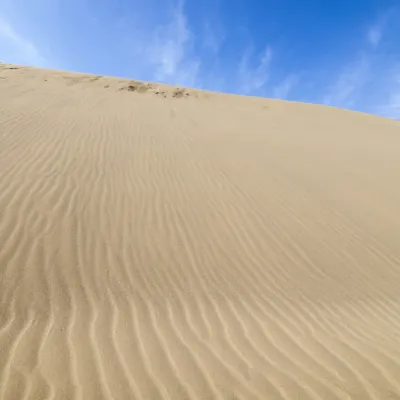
x=159 y=243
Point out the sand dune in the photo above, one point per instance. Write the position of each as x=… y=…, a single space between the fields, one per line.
x=167 y=243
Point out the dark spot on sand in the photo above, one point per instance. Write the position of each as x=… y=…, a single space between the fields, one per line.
x=137 y=87
x=178 y=93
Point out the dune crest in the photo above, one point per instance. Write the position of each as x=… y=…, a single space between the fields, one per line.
x=158 y=242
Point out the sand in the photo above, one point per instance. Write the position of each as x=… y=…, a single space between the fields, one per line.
x=167 y=243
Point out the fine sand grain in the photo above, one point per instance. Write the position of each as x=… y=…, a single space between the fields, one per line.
x=166 y=243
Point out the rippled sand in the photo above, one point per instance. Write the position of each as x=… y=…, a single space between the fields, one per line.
x=159 y=243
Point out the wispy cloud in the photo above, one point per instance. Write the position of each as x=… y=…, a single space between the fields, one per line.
x=344 y=90
x=170 y=50
x=282 y=90
x=213 y=36
x=16 y=48
x=354 y=75
x=374 y=36
x=370 y=81
x=391 y=107
x=254 y=76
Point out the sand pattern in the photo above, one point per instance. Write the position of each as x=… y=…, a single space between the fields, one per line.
x=166 y=243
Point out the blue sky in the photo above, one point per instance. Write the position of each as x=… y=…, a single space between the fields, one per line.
x=343 y=53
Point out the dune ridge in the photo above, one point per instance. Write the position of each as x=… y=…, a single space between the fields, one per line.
x=159 y=242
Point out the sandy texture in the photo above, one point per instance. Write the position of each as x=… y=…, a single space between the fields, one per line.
x=159 y=243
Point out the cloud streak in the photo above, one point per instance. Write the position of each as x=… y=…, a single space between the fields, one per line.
x=254 y=77
x=170 y=51
x=282 y=90
x=17 y=48
x=344 y=90
x=374 y=36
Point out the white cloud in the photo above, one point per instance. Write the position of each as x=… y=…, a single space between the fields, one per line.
x=353 y=77
x=15 y=48
x=374 y=36
x=254 y=78
x=213 y=36
x=170 y=50
x=283 y=89
x=392 y=108
x=394 y=105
